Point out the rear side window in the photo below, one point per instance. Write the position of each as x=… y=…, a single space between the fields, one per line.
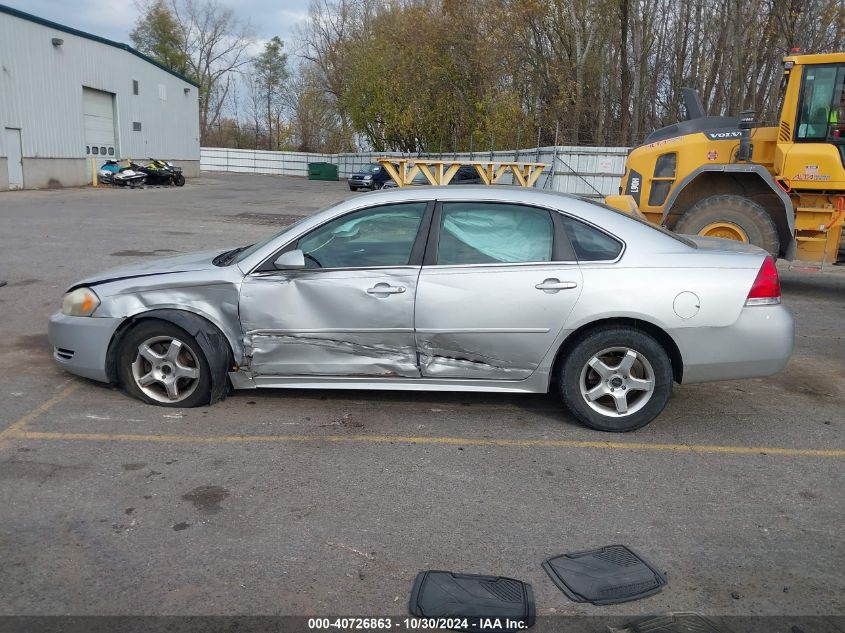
x=590 y=244
x=489 y=233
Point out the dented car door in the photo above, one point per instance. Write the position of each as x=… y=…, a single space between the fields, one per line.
x=497 y=286
x=350 y=312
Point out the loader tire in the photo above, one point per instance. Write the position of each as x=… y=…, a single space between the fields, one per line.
x=731 y=217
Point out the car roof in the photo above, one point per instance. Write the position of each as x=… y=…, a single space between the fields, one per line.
x=480 y=192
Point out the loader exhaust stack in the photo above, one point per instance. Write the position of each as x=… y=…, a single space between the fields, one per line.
x=746 y=124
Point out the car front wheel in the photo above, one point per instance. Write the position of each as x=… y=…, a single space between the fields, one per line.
x=162 y=364
x=616 y=379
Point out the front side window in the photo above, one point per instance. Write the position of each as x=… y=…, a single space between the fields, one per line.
x=381 y=236
x=590 y=244
x=489 y=233
x=822 y=102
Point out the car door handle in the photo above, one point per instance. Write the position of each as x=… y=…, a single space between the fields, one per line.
x=555 y=285
x=384 y=289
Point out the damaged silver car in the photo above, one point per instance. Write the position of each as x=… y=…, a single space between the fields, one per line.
x=444 y=289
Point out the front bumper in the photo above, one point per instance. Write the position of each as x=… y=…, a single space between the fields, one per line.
x=758 y=344
x=80 y=344
x=360 y=182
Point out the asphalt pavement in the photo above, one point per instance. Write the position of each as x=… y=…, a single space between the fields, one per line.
x=329 y=502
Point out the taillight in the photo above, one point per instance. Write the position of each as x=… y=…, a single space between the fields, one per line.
x=766 y=287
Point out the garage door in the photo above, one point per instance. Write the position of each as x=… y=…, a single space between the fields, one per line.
x=98 y=110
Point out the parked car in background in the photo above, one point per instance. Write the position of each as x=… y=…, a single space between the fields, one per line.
x=373 y=176
x=466 y=175
x=495 y=289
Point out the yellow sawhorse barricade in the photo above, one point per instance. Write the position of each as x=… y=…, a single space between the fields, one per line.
x=441 y=172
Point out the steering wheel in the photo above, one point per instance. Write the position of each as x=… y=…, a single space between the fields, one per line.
x=313 y=259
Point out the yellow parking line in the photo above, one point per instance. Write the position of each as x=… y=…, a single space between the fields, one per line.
x=459 y=441
x=20 y=424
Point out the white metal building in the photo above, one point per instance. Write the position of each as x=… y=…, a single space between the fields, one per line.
x=67 y=97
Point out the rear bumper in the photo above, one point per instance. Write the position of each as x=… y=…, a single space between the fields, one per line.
x=758 y=344
x=80 y=344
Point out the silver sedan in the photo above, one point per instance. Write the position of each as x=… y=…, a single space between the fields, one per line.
x=439 y=288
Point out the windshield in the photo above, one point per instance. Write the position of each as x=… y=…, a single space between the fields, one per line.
x=249 y=250
x=656 y=227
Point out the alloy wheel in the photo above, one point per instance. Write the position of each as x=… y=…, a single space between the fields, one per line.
x=617 y=381
x=166 y=369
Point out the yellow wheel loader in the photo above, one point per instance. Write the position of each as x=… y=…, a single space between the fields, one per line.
x=781 y=188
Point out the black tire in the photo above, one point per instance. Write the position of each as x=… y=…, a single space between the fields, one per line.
x=351 y=188
x=575 y=366
x=179 y=180
x=748 y=215
x=128 y=353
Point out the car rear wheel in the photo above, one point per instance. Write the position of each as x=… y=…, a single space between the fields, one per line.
x=616 y=379
x=162 y=364
x=733 y=218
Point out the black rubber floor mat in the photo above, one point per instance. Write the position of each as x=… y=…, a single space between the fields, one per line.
x=607 y=575
x=671 y=623
x=476 y=599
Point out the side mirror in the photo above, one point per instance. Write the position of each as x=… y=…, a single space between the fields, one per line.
x=290 y=261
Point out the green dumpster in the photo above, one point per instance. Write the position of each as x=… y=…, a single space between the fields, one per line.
x=322 y=171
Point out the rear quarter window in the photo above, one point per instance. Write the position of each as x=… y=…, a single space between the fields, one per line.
x=651 y=225
x=590 y=244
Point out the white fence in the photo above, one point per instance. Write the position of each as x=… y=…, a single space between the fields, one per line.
x=585 y=171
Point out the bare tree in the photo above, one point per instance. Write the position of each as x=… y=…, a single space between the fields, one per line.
x=217 y=45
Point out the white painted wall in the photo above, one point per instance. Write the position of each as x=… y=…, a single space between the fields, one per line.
x=41 y=93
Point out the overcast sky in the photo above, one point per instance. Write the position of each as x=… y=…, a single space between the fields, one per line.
x=114 y=19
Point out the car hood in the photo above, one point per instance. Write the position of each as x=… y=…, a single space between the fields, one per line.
x=159 y=266
x=361 y=174
x=720 y=244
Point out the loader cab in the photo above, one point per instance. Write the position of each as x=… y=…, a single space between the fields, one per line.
x=811 y=138
x=822 y=111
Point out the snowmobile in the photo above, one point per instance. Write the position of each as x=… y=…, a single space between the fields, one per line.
x=161 y=172
x=129 y=178
x=114 y=172
x=106 y=173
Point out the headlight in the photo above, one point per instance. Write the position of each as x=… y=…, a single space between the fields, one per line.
x=368 y=177
x=80 y=302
